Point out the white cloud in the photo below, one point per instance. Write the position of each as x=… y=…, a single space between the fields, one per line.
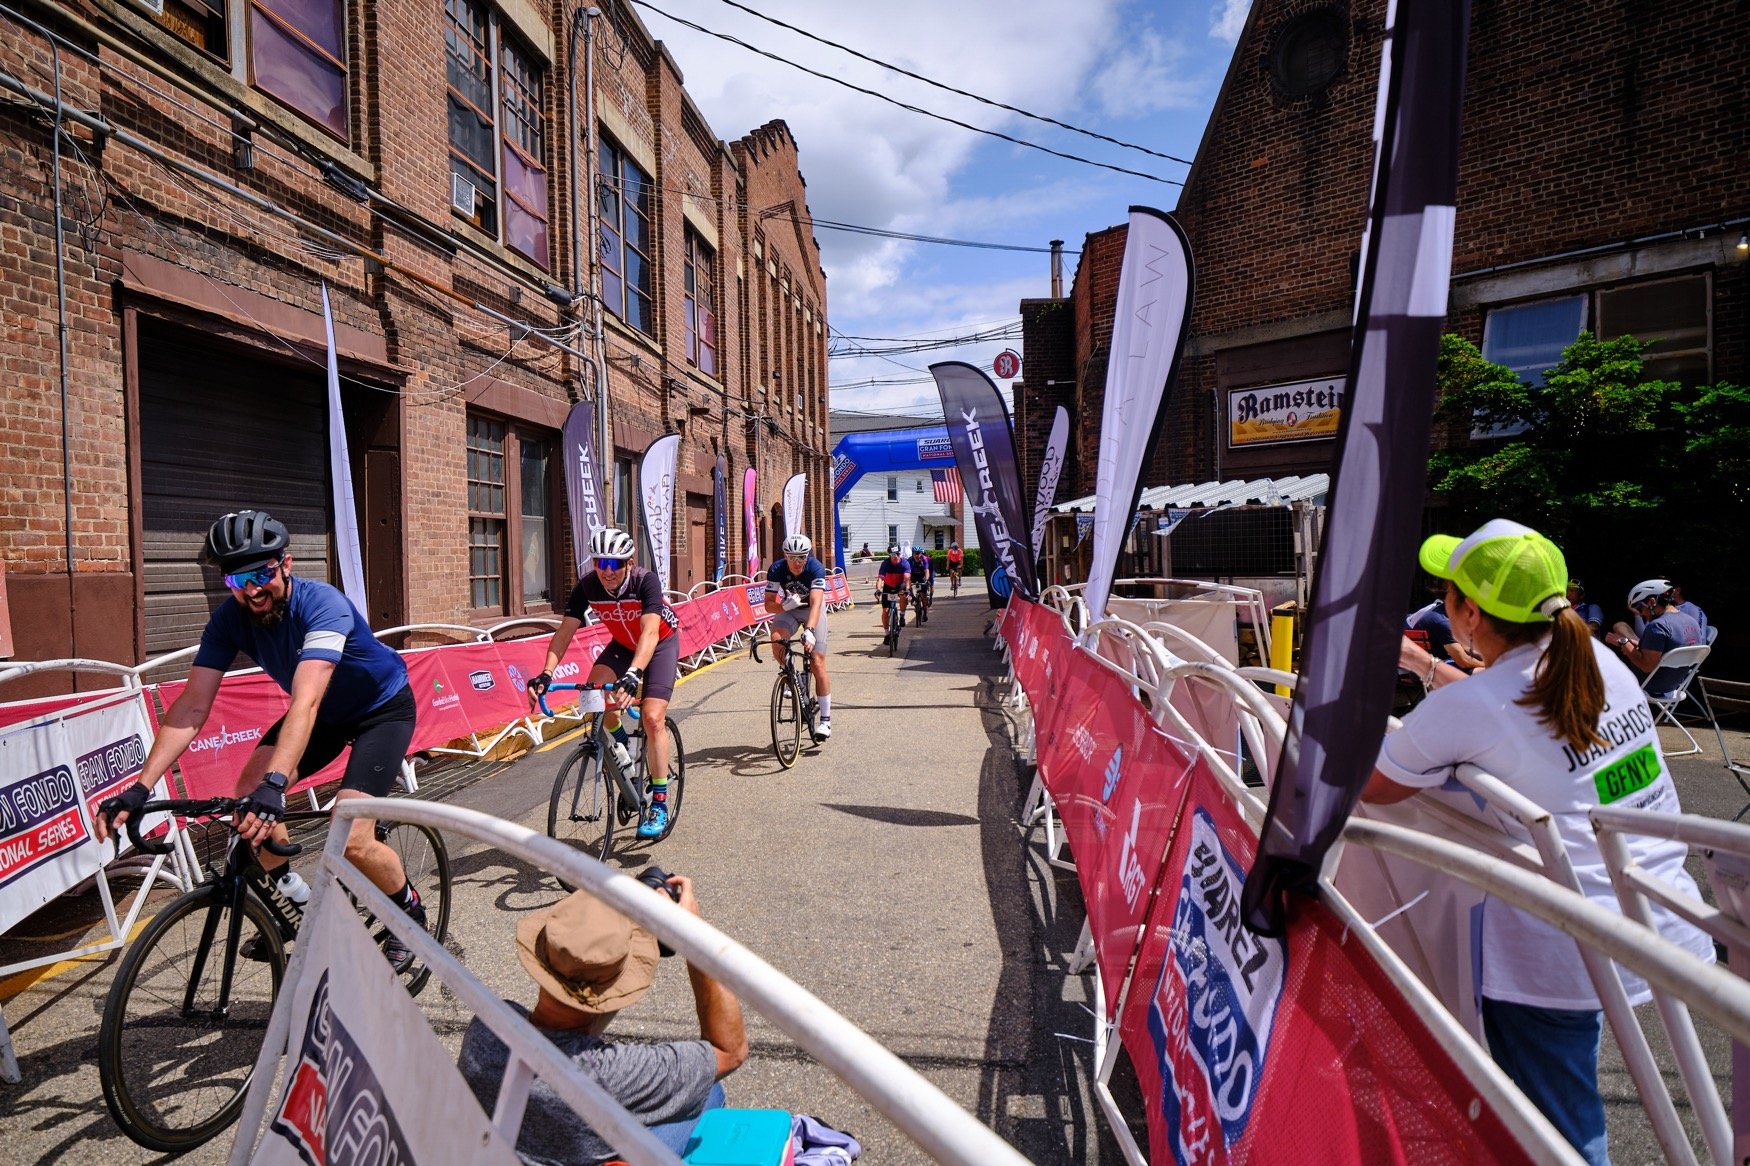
x=1228 y=20
x=1146 y=75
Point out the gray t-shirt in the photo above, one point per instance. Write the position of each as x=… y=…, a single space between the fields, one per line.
x=655 y=1082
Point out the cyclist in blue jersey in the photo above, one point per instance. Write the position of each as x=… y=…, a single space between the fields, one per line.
x=796 y=598
x=347 y=688
x=923 y=581
x=893 y=577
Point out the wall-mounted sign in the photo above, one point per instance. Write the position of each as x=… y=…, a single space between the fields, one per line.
x=1007 y=365
x=1275 y=414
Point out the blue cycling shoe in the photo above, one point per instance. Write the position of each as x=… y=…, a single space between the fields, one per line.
x=655 y=822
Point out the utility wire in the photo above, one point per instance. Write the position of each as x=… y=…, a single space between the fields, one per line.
x=1064 y=125
x=723 y=36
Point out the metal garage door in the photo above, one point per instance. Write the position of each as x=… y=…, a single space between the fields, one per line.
x=221 y=429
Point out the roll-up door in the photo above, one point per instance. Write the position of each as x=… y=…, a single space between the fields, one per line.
x=220 y=430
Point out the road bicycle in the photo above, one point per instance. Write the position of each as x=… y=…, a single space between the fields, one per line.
x=795 y=708
x=893 y=618
x=184 y=1021
x=920 y=601
x=953 y=580
x=593 y=795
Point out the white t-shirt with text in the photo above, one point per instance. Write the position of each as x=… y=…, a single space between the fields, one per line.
x=1477 y=720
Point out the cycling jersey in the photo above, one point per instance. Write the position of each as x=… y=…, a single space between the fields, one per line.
x=781 y=580
x=892 y=575
x=955 y=558
x=623 y=614
x=320 y=624
x=922 y=569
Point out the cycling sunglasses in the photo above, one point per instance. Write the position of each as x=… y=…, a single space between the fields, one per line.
x=254 y=577
x=609 y=564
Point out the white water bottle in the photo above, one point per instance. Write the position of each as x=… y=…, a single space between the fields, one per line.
x=291 y=886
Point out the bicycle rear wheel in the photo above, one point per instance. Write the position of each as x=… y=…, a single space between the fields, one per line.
x=581 y=811
x=426 y=860
x=174 y=1066
x=786 y=720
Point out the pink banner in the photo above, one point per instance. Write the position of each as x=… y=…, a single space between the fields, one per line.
x=1293 y=1049
x=839 y=590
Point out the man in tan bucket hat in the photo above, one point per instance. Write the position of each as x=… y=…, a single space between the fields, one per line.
x=589 y=961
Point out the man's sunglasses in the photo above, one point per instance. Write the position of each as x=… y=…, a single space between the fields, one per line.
x=255 y=577
x=609 y=564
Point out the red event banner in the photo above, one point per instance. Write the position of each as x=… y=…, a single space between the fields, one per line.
x=1296 y=1049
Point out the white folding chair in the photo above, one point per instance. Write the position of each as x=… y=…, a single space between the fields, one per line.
x=1688 y=660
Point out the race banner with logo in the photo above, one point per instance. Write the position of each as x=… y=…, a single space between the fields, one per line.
x=750 y=529
x=1155 y=291
x=1050 y=469
x=367 y=1082
x=984 y=451
x=795 y=508
x=656 y=476
x=583 y=483
x=720 y=508
x=1368 y=556
x=346 y=527
x=1295 y=1049
x=52 y=775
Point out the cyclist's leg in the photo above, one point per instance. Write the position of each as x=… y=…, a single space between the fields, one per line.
x=614 y=660
x=379 y=744
x=659 y=682
x=817 y=666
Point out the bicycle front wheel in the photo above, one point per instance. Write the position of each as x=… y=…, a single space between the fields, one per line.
x=426 y=860
x=677 y=776
x=173 y=1057
x=786 y=720
x=581 y=810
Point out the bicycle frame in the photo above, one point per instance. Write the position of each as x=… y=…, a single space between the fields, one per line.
x=796 y=665
x=599 y=737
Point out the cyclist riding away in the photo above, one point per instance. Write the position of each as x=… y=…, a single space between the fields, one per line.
x=893 y=577
x=346 y=688
x=923 y=581
x=796 y=597
x=645 y=650
x=956 y=562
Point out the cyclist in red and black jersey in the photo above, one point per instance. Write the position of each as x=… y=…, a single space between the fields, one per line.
x=893 y=577
x=645 y=650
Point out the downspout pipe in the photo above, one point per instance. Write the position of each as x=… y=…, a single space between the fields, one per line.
x=598 y=340
x=61 y=340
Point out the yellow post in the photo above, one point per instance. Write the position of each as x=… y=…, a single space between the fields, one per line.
x=1282 y=643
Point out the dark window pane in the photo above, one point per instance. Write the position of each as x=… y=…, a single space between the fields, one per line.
x=639 y=313
x=471 y=136
x=297 y=75
x=637 y=271
x=613 y=293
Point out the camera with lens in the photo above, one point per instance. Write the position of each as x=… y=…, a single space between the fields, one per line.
x=656 y=879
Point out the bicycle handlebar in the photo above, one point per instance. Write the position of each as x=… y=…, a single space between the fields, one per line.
x=195 y=808
x=569 y=686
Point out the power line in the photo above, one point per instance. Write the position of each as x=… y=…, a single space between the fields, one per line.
x=723 y=36
x=950 y=89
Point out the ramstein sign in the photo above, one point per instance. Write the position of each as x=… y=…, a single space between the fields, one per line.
x=1275 y=414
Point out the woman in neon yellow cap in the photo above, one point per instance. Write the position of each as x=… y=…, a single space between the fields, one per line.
x=1556 y=716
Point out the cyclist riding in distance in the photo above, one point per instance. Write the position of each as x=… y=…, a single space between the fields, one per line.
x=956 y=562
x=923 y=569
x=796 y=597
x=893 y=577
x=346 y=688
x=644 y=650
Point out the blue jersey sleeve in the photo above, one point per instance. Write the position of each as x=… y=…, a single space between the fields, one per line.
x=327 y=623
x=220 y=642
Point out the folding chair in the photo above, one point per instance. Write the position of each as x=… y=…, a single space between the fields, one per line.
x=1688 y=659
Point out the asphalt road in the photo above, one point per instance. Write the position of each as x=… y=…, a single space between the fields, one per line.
x=885 y=873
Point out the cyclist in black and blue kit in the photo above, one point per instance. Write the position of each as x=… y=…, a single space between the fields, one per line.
x=893 y=577
x=796 y=598
x=923 y=582
x=347 y=688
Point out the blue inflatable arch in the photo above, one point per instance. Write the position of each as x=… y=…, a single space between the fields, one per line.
x=879 y=452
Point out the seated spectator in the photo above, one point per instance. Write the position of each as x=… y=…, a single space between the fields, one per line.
x=1687 y=608
x=1432 y=622
x=1663 y=627
x=588 y=962
x=1559 y=719
x=1591 y=613
x=1640 y=622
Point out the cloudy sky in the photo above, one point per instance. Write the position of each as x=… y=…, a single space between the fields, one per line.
x=1143 y=73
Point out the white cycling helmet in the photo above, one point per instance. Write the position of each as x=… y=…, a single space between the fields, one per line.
x=1648 y=589
x=610 y=543
x=798 y=544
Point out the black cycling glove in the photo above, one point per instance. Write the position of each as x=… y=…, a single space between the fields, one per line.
x=268 y=802
x=132 y=800
x=540 y=683
x=629 y=681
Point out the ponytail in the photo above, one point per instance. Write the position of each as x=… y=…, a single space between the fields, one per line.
x=1567 y=689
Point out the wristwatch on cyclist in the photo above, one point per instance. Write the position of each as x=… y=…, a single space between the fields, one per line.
x=274 y=780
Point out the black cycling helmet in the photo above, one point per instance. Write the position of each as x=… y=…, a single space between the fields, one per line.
x=247 y=538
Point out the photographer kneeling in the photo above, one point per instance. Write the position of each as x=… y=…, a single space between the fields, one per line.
x=589 y=961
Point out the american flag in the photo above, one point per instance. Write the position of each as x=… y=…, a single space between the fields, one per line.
x=946 y=484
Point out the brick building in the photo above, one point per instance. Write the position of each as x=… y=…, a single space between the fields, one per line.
x=222 y=161
x=1601 y=188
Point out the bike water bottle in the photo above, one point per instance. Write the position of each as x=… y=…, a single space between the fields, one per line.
x=292 y=887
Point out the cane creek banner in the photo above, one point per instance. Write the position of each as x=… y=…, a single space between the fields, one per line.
x=1298 y=1049
x=1275 y=414
x=656 y=477
x=366 y=1080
